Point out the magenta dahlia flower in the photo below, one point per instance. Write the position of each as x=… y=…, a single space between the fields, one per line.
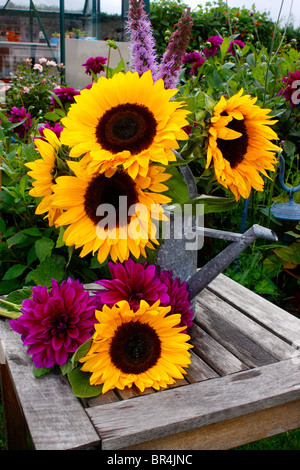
x=94 y=65
x=135 y=282
x=18 y=115
x=132 y=282
x=54 y=127
x=292 y=90
x=65 y=94
x=195 y=59
x=238 y=42
x=55 y=323
x=179 y=298
x=213 y=46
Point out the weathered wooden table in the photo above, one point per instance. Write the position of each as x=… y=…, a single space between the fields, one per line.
x=243 y=385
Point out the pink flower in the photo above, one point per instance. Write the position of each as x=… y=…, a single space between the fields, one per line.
x=25 y=89
x=94 y=65
x=231 y=47
x=291 y=91
x=213 y=47
x=134 y=282
x=55 y=323
x=18 y=115
x=38 y=67
x=179 y=298
x=196 y=59
x=172 y=59
x=142 y=43
x=42 y=60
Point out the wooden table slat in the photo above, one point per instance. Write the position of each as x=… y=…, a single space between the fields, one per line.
x=157 y=415
x=55 y=418
x=274 y=345
x=213 y=353
x=272 y=317
x=231 y=337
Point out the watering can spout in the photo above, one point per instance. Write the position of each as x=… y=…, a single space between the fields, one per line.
x=214 y=267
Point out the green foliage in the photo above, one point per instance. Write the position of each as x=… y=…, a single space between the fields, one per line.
x=31 y=84
x=211 y=19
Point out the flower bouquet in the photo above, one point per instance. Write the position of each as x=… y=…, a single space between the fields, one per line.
x=104 y=181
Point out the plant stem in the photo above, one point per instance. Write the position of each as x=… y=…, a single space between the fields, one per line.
x=271 y=50
x=10 y=304
x=7 y=314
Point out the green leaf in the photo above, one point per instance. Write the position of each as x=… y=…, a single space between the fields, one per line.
x=265 y=286
x=47 y=270
x=41 y=371
x=17 y=239
x=33 y=232
x=178 y=191
x=81 y=351
x=7 y=286
x=43 y=248
x=66 y=368
x=18 y=296
x=80 y=383
x=52 y=116
x=214 y=204
x=2 y=227
x=14 y=271
x=60 y=242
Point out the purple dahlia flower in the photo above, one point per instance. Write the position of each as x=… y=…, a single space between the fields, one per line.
x=94 y=65
x=214 y=45
x=54 y=127
x=65 y=94
x=238 y=42
x=17 y=115
x=55 y=323
x=135 y=282
x=292 y=90
x=132 y=282
x=179 y=298
x=196 y=59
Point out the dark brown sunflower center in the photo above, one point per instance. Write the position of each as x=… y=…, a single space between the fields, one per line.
x=135 y=347
x=110 y=196
x=127 y=126
x=234 y=150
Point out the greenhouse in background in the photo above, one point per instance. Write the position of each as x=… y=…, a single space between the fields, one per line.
x=67 y=31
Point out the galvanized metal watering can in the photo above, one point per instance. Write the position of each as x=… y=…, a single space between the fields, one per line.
x=173 y=255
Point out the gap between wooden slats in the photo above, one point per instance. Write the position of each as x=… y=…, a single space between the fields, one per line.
x=219 y=318
x=270 y=316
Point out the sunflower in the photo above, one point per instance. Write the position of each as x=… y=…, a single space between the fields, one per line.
x=128 y=228
x=125 y=120
x=42 y=171
x=143 y=347
x=240 y=144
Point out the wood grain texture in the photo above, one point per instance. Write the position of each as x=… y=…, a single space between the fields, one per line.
x=184 y=408
x=273 y=318
x=55 y=418
x=232 y=433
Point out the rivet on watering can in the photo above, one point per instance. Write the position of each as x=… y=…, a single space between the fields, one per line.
x=286 y=210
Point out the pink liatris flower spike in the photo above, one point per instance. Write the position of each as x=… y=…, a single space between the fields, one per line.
x=173 y=57
x=142 y=43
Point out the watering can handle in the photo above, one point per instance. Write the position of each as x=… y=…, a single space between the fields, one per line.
x=214 y=267
x=290 y=191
